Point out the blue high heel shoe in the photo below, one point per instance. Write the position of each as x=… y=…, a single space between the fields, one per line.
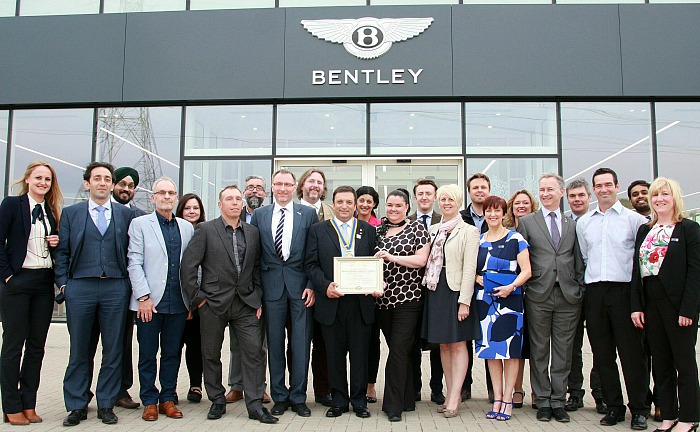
x=501 y=415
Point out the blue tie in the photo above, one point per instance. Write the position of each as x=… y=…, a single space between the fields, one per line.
x=278 y=236
x=101 y=220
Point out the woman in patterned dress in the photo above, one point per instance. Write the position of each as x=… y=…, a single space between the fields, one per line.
x=404 y=247
x=665 y=298
x=501 y=311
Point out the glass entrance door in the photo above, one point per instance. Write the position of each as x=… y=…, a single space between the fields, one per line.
x=384 y=175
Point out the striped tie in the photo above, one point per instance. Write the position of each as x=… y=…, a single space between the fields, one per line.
x=278 y=236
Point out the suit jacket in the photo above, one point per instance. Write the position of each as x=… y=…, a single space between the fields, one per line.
x=70 y=238
x=436 y=219
x=212 y=249
x=679 y=272
x=461 y=250
x=467 y=217
x=548 y=264
x=324 y=245
x=275 y=273
x=148 y=258
x=15 y=227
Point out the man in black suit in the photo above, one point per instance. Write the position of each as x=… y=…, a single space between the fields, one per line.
x=346 y=320
x=228 y=251
x=91 y=271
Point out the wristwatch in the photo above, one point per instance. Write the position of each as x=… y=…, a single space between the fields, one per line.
x=144 y=298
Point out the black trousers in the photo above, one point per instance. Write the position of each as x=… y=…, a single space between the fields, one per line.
x=673 y=351
x=319 y=362
x=398 y=324
x=193 y=353
x=610 y=331
x=374 y=352
x=27 y=307
x=576 y=374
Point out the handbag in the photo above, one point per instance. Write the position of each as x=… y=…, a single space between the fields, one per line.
x=495 y=280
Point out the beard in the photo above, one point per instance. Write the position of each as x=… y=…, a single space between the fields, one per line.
x=253 y=202
x=120 y=200
x=642 y=208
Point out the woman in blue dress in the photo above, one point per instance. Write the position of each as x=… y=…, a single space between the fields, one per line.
x=504 y=252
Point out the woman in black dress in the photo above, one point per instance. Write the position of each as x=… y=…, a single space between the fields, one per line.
x=449 y=278
x=28 y=234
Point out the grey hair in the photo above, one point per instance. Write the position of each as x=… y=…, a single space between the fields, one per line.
x=559 y=178
x=579 y=182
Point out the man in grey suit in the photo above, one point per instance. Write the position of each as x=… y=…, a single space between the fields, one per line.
x=554 y=297
x=156 y=245
x=286 y=291
x=228 y=251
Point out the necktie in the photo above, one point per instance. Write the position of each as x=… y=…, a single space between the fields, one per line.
x=424 y=218
x=101 y=220
x=556 y=236
x=278 y=235
x=38 y=213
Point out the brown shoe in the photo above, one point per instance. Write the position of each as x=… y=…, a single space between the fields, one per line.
x=150 y=413
x=32 y=416
x=169 y=409
x=234 y=396
x=16 y=419
x=127 y=402
x=266 y=398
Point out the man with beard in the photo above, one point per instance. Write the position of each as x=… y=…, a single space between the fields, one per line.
x=638 y=194
x=254 y=195
x=126 y=180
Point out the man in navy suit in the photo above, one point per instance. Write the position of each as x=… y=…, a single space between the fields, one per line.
x=286 y=291
x=91 y=271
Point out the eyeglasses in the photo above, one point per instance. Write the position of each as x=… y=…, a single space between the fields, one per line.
x=283 y=185
x=165 y=193
x=254 y=188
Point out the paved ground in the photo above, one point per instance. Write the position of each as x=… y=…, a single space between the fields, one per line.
x=471 y=417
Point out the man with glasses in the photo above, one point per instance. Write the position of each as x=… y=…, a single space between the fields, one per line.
x=156 y=245
x=286 y=291
x=254 y=195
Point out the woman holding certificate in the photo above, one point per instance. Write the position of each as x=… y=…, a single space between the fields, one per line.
x=404 y=247
x=449 y=278
x=503 y=267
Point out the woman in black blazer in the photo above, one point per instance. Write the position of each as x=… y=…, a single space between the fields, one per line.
x=28 y=233
x=666 y=302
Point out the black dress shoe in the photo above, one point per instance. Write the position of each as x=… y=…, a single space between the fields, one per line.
x=639 y=422
x=301 y=409
x=612 y=418
x=600 y=406
x=263 y=415
x=574 y=403
x=216 y=411
x=417 y=398
x=279 y=408
x=336 y=411
x=73 y=419
x=393 y=416
x=107 y=416
x=326 y=400
x=362 y=412
x=466 y=394
x=560 y=415
x=438 y=398
x=544 y=414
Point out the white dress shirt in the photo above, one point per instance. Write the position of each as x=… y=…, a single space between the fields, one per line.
x=288 y=226
x=37 y=248
x=316 y=206
x=607 y=243
x=92 y=207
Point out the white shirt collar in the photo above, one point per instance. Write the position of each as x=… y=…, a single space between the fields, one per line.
x=289 y=206
x=92 y=205
x=556 y=211
x=617 y=207
x=306 y=203
x=420 y=213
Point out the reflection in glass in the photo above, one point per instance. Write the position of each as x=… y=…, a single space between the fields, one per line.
x=4 y=115
x=143 y=5
x=678 y=147
x=53 y=7
x=207 y=178
x=324 y=129
x=228 y=130
x=613 y=135
x=62 y=137
x=415 y=128
x=311 y=3
x=515 y=128
x=510 y=175
x=147 y=139
x=7 y=8
x=230 y=4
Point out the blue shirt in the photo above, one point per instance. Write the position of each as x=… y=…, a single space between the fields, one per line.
x=171 y=303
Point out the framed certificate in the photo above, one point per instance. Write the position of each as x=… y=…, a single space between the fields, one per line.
x=359 y=275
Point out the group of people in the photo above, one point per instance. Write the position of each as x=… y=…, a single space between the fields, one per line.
x=501 y=281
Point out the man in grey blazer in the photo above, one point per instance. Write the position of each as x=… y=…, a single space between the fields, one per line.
x=228 y=251
x=156 y=244
x=287 y=291
x=554 y=297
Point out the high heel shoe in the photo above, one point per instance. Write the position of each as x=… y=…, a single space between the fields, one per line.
x=502 y=416
x=675 y=422
x=450 y=413
x=16 y=419
x=493 y=414
x=441 y=408
x=32 y=416
x=522 y=396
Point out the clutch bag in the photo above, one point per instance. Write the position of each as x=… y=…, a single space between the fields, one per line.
x=495 y=280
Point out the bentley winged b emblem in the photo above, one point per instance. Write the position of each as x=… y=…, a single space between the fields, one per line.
x=368 y=37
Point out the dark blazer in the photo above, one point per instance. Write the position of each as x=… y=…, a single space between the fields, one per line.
x=467 y=217
x=679 y=272
x=548 y=263
x=212 y=249
x=15 y=227
x=70 y=238
x=322 y=246
x=437 y=217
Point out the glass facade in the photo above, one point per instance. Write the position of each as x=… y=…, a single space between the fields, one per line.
x=53 y=7
x=4 y=139
x=111 y=6
x=7 y=8
x=230 y=4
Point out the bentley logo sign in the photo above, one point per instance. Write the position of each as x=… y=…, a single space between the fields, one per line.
x=367 y=38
